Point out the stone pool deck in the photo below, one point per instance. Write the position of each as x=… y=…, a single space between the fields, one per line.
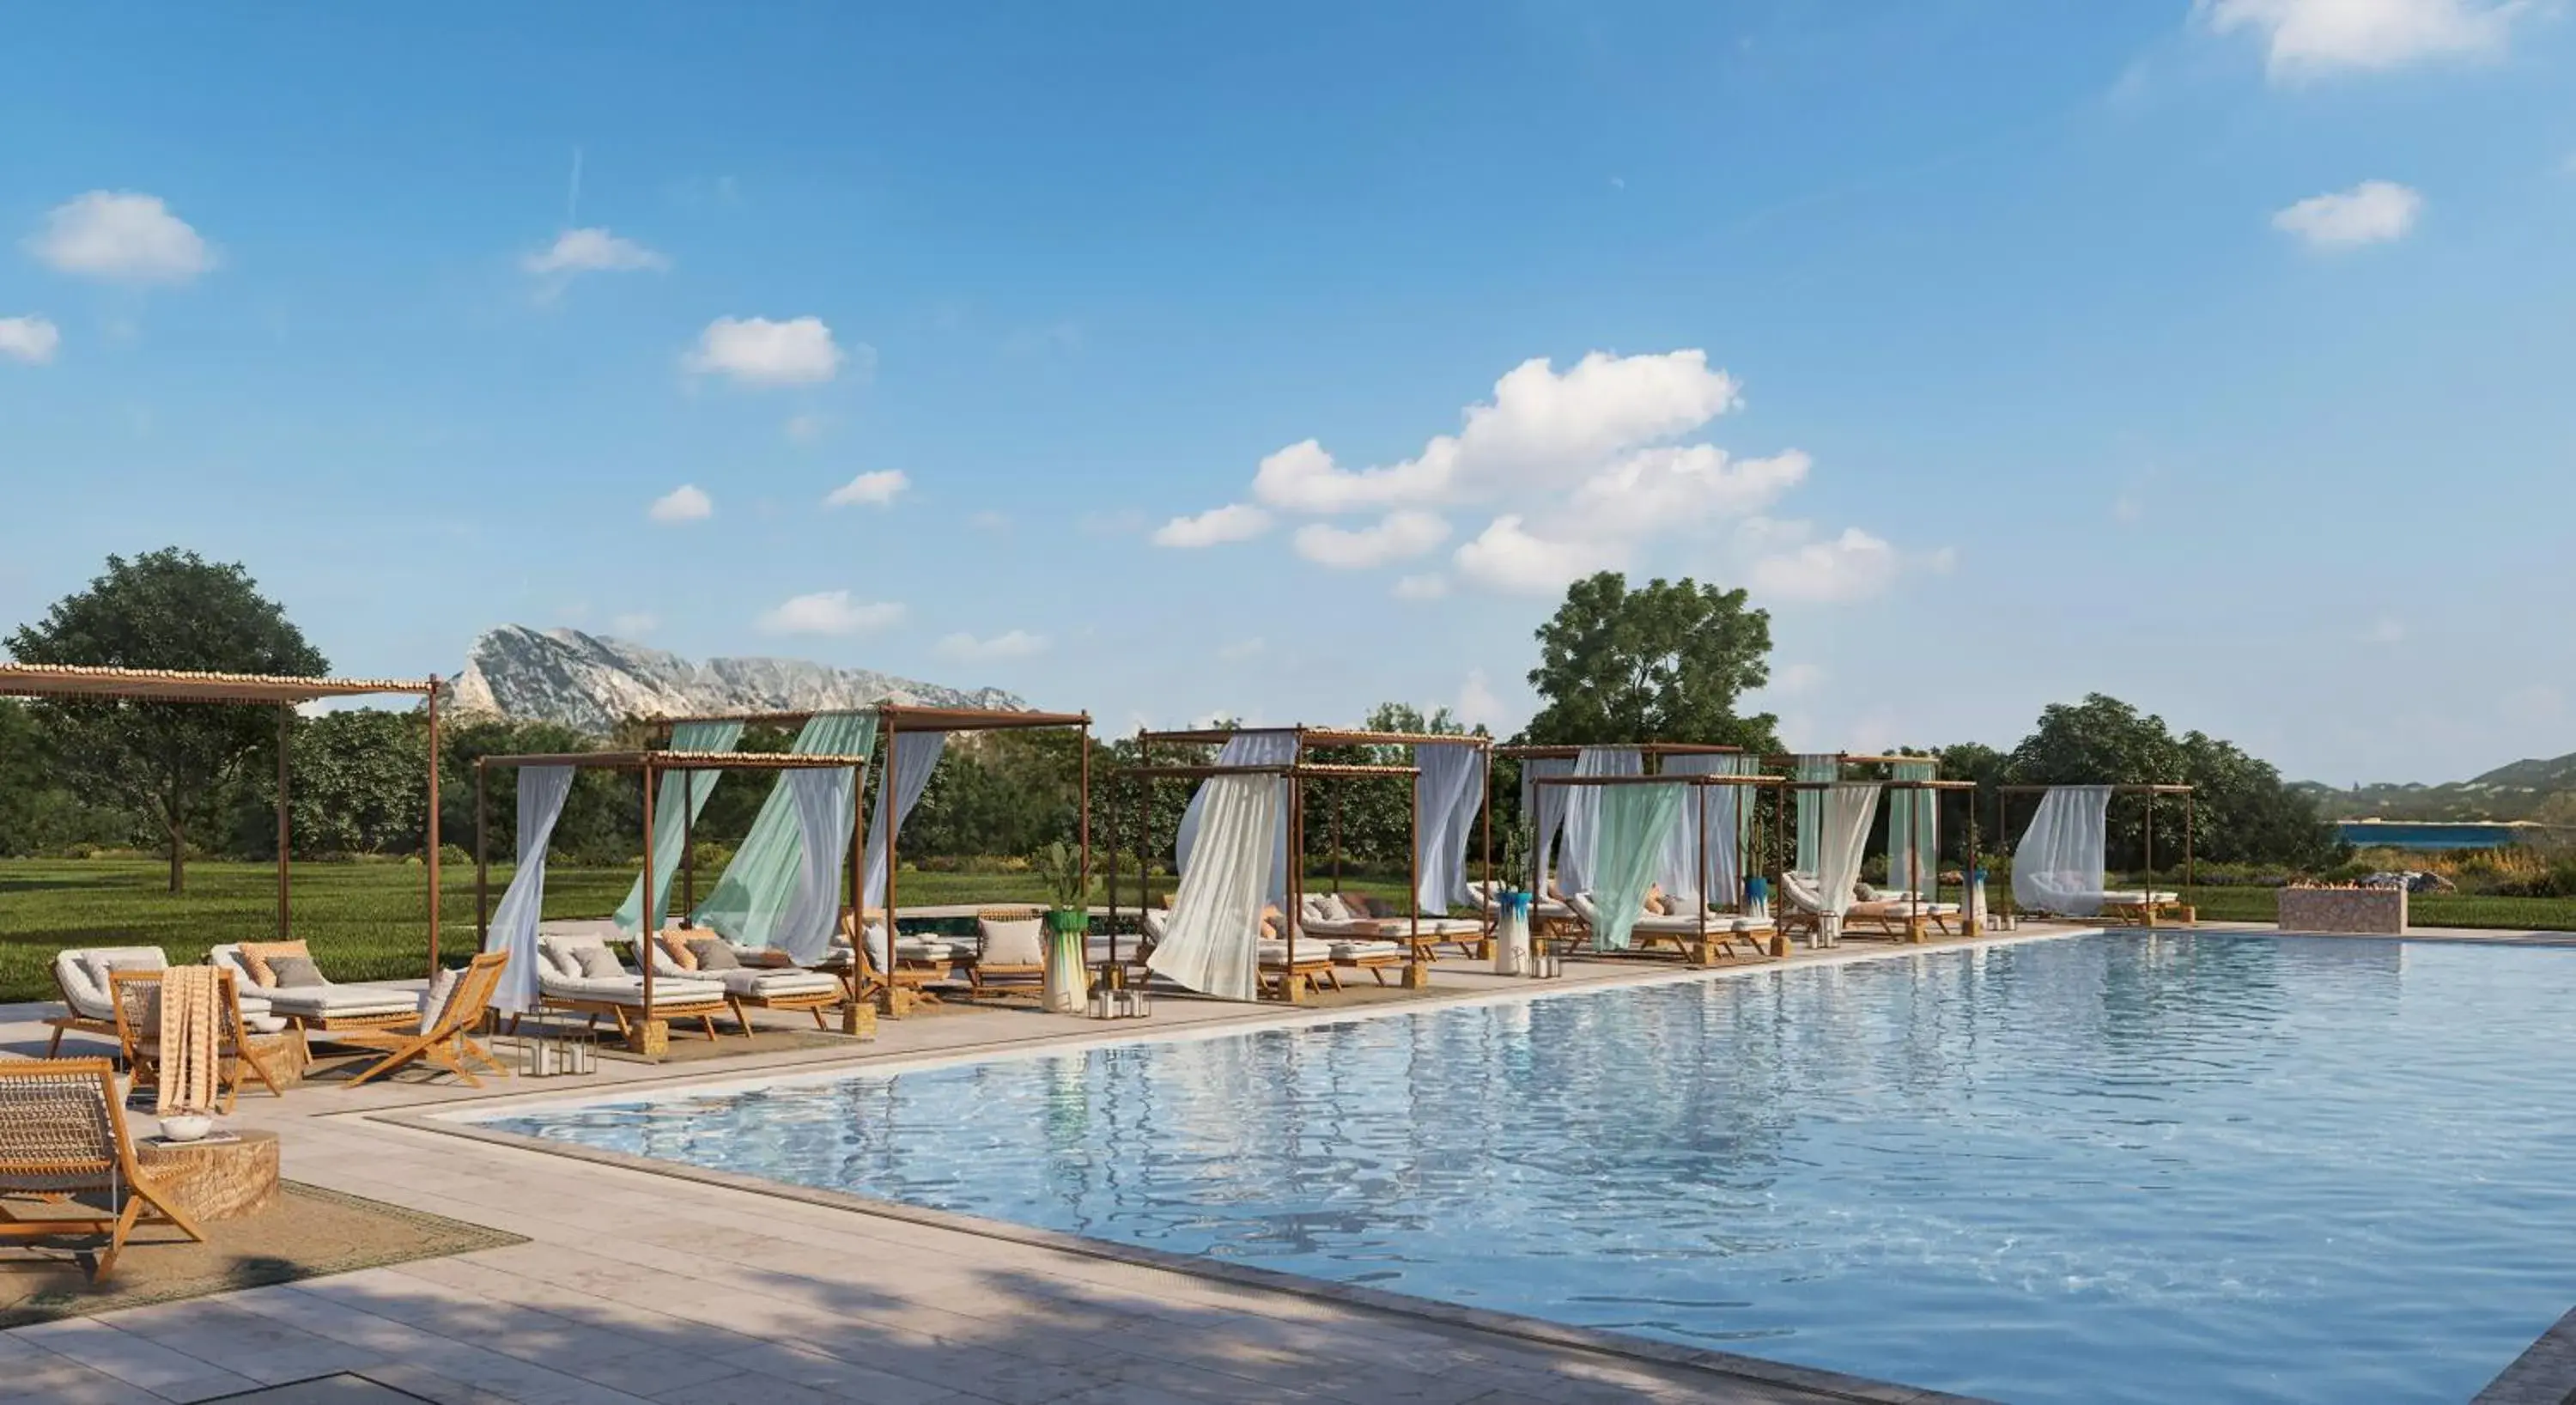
x=643 y=1285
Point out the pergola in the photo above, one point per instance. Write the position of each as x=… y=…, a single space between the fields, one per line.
x=74 y=683
x=1702 y=950
x=651 y=765
x=2152 y=791
x=1654 y=751
x=1914 y=927
x=893 y=721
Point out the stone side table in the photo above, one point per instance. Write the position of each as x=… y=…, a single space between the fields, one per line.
x=211 y=1179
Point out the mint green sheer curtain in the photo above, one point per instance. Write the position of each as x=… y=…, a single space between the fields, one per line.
x=1913 y=846
x=757 y=886
x=1812 y=766
x=678 y=793
x=1636 y=822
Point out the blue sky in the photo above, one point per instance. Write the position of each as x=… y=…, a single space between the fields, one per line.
x=2206 y=355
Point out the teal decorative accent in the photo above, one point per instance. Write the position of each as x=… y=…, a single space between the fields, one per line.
x=757 y=886
x=670 y=826
x=1636 y=820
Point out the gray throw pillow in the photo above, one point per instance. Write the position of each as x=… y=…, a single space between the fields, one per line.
x=293 y=971
x=597 y=963
x=715 y=954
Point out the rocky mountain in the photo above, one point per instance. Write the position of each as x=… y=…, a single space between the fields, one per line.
x=585 y=681
x=2523 y=790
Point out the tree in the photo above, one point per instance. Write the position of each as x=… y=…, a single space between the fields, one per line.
x=1666 y=662
x=165 y=609
x=2241 y=810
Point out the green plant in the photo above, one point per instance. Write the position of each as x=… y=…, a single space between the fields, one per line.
x=1058 y=866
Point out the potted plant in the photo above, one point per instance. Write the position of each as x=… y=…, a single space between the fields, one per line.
x=1059 y=865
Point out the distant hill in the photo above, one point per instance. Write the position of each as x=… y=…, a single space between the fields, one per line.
x=585 y=681
x=2520 y=791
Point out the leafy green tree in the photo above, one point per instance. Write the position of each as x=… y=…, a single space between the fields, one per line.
x=1664 y=662
x=167 y=609
x=357 y=787
x=2242 y=812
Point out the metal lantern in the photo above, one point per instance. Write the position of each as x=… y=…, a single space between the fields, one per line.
x=1134 y=1004
x=1103 y=1002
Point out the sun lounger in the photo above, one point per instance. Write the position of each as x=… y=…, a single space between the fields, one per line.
x=1898 y=914
x=760 y=979
x=567 y=980
x=239 y=1050
x=1698 y=942
x=66 y=1137
x=2134 y=906
x=443 y=1034
x=327 y=1006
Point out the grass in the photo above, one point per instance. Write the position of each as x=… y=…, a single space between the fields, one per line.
x=365 y=921
x=2423 y=909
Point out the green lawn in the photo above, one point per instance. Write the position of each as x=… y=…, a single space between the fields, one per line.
x=2424 y=909
x=365 y=921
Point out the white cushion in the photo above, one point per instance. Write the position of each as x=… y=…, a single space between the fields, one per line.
x=87 y=991
x=752 y=981
x=923 y=949
x=1017 y=942
x=1353 y=951
x=343 y=1000
x=629 y=990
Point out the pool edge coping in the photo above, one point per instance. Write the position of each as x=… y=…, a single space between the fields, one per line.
x=1456 y=1316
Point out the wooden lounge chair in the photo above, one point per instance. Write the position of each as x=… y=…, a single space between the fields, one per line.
x=136 y=996
x=327 y=1007
x=1698 y=943
x=87 y=1006
x=763 y=979
x=917 y=963
x=563 y=985
x=1013 y=951
x=62 y=1134
x=446 y=1036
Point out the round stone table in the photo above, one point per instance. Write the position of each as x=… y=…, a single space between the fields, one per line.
x=211 y=1179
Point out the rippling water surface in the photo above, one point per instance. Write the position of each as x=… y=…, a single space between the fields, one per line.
x=2124 y=1168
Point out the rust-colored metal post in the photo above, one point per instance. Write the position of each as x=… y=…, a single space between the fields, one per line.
x=644 y=922
x=1416 y=970
x=1084 y=740
x=2151 y=855
x=1699 y=899
x=688 y=850
x=1335 y=825
x=434 y=832
x=1288 y=978
x=2190 y=873
x=891 y=725
x=482 y=862
x=852 y=1021
x=285 y=724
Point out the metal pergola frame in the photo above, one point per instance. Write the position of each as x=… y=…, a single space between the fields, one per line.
x=1968 y=925
x=650 y=764
x=78 y=683
x=893 y=720
x=1293 y=772
x=1701 y=784
x=2152 y=790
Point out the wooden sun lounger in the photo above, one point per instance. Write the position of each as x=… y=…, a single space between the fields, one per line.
x=447 y=1038
x=66 y=1136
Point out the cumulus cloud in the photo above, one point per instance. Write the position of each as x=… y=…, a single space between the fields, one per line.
x=758 y=351
x=685 y=503
x=1423 y=587
x=829 y=612
x=1853 y=566
x=2305 y=38
x=1678 y=486
x=578 y=251
x=1509 y=558
x=869 y=489
x=1234 y=522
x=1016 y=644
x=1400 y=536
x=2369 y=213
x=121 y=235
x=31 y=339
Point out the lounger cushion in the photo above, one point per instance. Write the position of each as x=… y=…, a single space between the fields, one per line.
x=434 y=999
x=294 y=972
x=745 y=981
x=256 y=956
x=1367 y=950
x=714 y=954
x=674 y=942
x=596 y=962
x=342 y=1001
x=629 y=990
x=923 y=949
x=98 y=966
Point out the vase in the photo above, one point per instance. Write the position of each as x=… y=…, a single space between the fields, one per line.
x=186 y=1127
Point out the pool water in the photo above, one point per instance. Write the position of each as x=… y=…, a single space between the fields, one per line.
x=2116 y=1168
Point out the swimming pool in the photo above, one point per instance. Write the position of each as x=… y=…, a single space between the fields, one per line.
x=2114 y=1168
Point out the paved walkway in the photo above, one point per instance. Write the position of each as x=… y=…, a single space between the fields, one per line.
x=638 y=1286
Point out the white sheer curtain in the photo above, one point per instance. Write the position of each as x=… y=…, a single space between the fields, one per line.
x=514 y=923
x=1211 y=943
x=1843 y=814
x=1450 y=791
x=1543 y=809
x=1583 y=809
x=1679 y=872
x=2058 y=865
x=1811 y=766
x=1268 y=747
x=915 y=757
x=823 y=812
x=675 y=807
x=1913 y=839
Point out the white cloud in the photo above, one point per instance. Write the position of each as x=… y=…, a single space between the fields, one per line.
x=2306 y=38
x=635 y=626
x=1400 y=536
x=1017 y=644
x=1539 y=429
x=121 y=235
x=1506 y=557
x=829 y=612
x=685 y=503
x=1673 y=486
x=1426 y=587
x=31 y=339
x=758 y=351
x=806 y=428
x=1853 y=566
x=2369 y=213
x=1235 y=522
x=578 y=251
x=1477 y=705
x=877 y=489
x=1240 y=650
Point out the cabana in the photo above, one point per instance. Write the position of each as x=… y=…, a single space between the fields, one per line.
x=824 y=812
x=1451 y=794
x=2059 y=865
x=913 y=739
x=1246 y=820
x=1643 y=820
x=1825 y=900
x=112 y=686
x=1557 y=814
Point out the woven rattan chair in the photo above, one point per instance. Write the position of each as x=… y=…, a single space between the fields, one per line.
x=1003 y=958
x=62 y=1134
x=445 y=1038
x=136 y=996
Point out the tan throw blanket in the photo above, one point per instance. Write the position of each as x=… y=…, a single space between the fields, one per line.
x=191 y=1034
